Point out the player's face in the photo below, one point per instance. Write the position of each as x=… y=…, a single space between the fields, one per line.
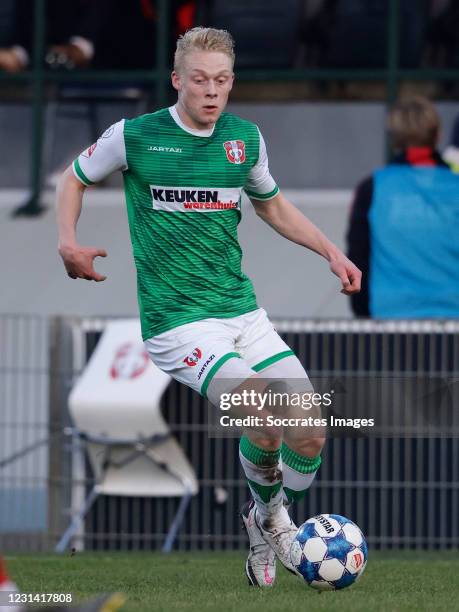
x=203 y=84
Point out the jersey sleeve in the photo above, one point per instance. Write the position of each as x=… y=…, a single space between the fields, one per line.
x=103 y=157
x=260 y=184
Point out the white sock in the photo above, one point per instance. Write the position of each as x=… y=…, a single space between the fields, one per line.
x=262 y=470
x=298 y=473
x=296 y=482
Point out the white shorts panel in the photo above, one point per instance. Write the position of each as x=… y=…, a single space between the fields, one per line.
x=189 y=352
x=260 y=340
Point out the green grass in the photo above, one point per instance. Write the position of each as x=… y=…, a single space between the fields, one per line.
x=393 y=582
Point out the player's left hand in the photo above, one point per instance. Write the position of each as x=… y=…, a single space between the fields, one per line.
x=348 y=273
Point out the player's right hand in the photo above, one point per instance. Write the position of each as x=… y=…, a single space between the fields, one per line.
x=79 y=262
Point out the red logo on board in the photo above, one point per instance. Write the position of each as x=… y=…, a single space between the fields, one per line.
x=235 y=151
x=130 y=361
x=192 y=359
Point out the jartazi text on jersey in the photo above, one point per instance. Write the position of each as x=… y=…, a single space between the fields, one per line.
x=165 y=149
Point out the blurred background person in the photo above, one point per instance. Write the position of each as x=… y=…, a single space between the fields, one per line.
x=451 y=153
x=442 y=34
x=64 y=34
x=101 y=34
x=89 y=34
x=404 y=223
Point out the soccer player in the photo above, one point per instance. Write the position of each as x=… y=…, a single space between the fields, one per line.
x=184 y=171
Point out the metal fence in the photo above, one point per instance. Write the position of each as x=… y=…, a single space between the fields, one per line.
x=403 y=492
x=24 y=399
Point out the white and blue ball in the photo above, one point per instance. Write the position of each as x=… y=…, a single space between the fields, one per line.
x=329 y=551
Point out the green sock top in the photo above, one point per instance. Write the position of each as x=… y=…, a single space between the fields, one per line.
x=300 y=463
x=257 y=455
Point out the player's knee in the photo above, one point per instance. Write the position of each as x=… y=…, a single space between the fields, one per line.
x=267 y=444
x=310 y=447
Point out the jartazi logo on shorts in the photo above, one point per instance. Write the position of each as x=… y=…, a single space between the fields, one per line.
x=192 y=359
x=195 y=199
x=204 y=367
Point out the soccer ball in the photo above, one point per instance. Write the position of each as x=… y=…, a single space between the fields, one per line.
x=329 y=552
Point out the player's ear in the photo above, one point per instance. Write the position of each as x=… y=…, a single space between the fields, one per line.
x=175 y=78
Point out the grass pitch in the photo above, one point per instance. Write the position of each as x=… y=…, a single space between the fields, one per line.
x=396 y=582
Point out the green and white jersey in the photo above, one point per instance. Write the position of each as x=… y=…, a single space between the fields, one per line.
x=183 y=193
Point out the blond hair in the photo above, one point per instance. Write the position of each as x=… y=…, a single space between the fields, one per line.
x=413 y=122
x=203 y=39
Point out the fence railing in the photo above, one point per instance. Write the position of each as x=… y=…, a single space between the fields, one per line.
x=392 y=74
x=402 y=491
x=24 y=433
x=394 y=488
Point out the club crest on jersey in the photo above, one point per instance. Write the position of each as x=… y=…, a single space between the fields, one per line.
x=192 y=359
x=235 y=151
